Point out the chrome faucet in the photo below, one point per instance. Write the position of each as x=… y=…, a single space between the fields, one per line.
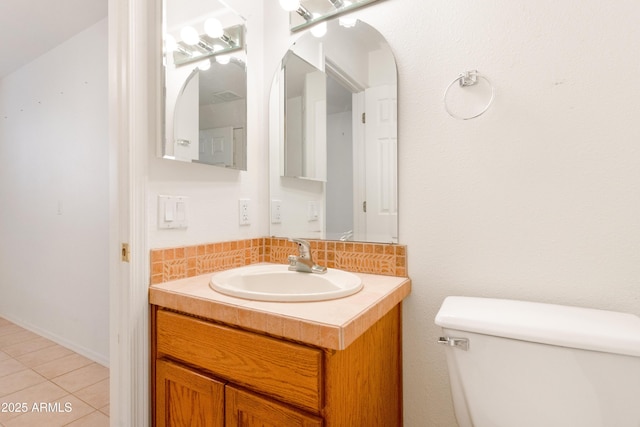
x=304 y=261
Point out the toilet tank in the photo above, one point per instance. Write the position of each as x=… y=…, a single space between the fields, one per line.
x=524 y=364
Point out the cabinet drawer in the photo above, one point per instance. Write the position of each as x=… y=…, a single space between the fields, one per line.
x=281 y=369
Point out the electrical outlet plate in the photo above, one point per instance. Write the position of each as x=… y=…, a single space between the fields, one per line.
x=276 y=211
x=313 y=211
x=243 y=212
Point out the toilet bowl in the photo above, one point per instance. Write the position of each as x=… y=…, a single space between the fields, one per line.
x=524 y=364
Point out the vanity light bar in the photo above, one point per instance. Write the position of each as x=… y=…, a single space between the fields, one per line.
x=231 y=40
x=304 y=12
x=308 y=16
x=338 y=7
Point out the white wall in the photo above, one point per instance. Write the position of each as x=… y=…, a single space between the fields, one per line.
x=538 y=198
x=54 y=192
x=214 y=192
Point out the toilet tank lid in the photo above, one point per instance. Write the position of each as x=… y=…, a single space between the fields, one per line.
x=576 y=327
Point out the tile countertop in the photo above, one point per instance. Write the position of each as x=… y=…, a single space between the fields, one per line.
x=332 y=324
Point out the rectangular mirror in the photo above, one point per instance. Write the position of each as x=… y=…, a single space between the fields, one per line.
x=205 y=84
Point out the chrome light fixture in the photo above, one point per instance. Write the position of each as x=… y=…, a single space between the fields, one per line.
x=216 y=41
x=307 y=13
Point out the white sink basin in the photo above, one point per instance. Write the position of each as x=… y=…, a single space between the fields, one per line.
x=274 y=282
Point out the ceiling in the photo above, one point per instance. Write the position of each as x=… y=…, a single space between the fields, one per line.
x=30 y=28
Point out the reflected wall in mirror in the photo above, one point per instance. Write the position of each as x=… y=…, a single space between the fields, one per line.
x=340 y=91
x=205 y=76
x=305 y=142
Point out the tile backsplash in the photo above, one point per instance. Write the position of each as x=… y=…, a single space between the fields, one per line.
x=187 y=261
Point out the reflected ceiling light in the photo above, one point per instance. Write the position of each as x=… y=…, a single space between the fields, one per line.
x=320 y=29
x=189 y=35
x=221 y=59
x=290 y=5
x=204 y=65
x=345 y=21
x=213 y=28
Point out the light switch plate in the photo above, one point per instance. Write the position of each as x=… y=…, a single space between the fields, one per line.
x=276 y=211
x=172 y=212
x=313 y=211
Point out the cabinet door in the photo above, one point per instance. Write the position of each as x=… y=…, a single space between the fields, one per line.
x=244 y=409
x=185 y=398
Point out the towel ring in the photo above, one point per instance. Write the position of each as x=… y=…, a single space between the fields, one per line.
x=468 y=78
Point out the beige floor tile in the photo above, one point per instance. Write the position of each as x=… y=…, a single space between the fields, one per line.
x=43 y=392
x=57 y=413
x=27 y=360
x=105 y=410
x=12 y=410
x=15 y=338
x=61 y=366
x=28 y=346
x=10 y=366
x=42 y=356
x=10 y=328
x=96 y=395
x=94 y=419
x=81 y=378
x=19 y=381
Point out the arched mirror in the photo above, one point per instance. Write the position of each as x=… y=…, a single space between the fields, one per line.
x=205 y=84
x=333 y=137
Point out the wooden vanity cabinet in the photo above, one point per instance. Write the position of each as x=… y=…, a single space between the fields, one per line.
x=249 y=410
x=210 y=374
x=185 y=397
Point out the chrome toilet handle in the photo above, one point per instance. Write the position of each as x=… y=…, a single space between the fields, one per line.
x=461 y=343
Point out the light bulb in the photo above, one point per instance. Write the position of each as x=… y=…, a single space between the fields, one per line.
x=213 y=28
x=347 y=21
x=189 y=35
x=290 y=5
x=223 y=59
x=320 y=29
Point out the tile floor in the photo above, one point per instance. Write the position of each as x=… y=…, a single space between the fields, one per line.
x=45 y=384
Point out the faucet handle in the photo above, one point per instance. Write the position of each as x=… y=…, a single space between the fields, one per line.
x=304 y=248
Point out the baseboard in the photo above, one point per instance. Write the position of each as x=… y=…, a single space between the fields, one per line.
x=81 y=350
